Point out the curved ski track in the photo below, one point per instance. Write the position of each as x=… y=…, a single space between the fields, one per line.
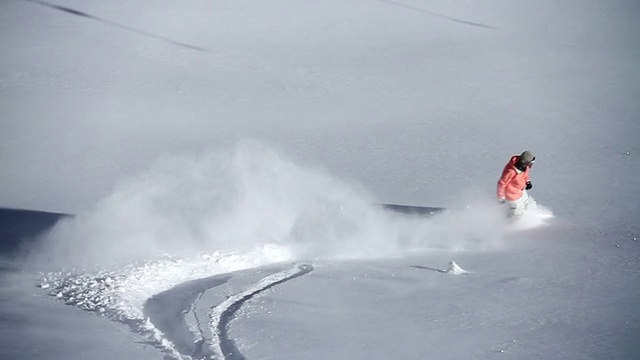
x=224 y=347
x=167 y=312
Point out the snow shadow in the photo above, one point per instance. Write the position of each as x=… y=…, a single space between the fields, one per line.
x=431 y=13
x=20 y=226
x=85 y=15
x=428 y=268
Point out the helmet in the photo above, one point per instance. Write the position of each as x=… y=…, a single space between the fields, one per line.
x=526 y=158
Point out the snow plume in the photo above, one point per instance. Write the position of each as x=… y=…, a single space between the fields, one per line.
x=473 y=222
x=231 y=201
x=244 y=199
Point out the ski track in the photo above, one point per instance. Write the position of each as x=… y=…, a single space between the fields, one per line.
x=167 y=311
x=163 y=317
x=221 y=346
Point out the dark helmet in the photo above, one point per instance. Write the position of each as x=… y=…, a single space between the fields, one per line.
x=525 y=160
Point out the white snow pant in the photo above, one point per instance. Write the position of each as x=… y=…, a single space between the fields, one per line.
x=518 y=207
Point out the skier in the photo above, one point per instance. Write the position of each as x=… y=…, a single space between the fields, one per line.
x=514 y=183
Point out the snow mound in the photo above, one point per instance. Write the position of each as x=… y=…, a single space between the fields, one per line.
x=455 y=269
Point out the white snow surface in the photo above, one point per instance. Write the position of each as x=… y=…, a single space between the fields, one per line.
x=225 y=162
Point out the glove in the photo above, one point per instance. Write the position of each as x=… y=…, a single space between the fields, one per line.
x=501 y=201
x=529 y=185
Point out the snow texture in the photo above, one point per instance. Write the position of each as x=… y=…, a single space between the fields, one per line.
x=227 y=166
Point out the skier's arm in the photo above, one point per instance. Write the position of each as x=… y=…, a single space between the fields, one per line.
x=506 y=177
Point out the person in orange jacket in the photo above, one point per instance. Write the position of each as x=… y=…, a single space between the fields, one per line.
x=514 y=183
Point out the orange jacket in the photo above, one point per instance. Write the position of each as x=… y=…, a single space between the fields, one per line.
x=513 y=181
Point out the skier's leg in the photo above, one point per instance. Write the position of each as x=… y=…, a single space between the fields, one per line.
x=518 y=207
x=512 y=213
x=532 y=205
x=526 y=201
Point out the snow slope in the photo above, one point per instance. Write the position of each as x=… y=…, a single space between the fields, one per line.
x=212 y=151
